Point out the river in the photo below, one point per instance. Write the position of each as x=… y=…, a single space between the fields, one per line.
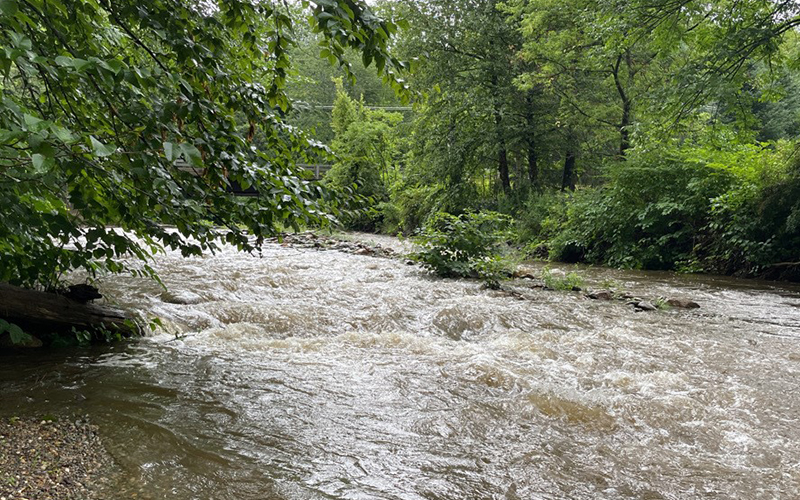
x=304 y=374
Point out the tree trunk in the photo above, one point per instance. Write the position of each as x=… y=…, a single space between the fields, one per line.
x=533 y=164
x=502 y=162
x=625 y=119
x=568 y=179
x=43 y=312
x=533 y=158
x=502 y=153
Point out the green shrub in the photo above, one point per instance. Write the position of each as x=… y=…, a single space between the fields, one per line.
x=467 y=245
x=733 y=210
x=569 y=282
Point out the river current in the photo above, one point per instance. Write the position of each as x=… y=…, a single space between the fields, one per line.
x=303 y=374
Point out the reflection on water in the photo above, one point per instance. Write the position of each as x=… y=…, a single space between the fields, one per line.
x=306 y=375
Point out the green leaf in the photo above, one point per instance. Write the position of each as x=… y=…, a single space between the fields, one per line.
x=63 y=134
x=38 y=162
x=33 y=123
x=63 y=61
x=8 y=7
x=191 y=154
x=15 y=333
x=169 y=151
x=101 y=150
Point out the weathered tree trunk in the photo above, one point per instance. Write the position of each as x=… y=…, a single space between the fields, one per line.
x=782 y=271
x=568 y=179
x=502 y=154
x=42 y=312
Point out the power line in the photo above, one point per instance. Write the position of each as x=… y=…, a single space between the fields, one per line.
x=385 y=108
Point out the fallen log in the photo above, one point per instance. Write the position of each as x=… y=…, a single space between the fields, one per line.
x=44 y=313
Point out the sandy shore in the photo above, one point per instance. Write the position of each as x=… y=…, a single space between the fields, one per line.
x=51 y=459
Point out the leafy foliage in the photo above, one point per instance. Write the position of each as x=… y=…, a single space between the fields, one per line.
x=465 y=246
x=366 y=149
x=685 y=208
x=567 y=283
x=101 y=99
x=16 y=334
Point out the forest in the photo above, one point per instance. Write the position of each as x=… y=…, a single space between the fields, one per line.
x=654 y=134
x=648 y=135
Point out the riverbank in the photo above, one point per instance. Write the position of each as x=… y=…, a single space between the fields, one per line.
x=46 y=459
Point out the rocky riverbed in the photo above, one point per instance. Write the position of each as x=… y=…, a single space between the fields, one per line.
x=43 y=459
x=524 y=277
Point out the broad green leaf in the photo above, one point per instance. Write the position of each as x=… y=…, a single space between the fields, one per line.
x=15 y=332
x=63 y=134
x=33 y=123
x=9 y=7
x=101 y=149
x=191 y=154
x=169 y=151
x=63 y=61
x=38 y=162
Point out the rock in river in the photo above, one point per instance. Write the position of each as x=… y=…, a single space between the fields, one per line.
x=601 y=295
x=683 y=303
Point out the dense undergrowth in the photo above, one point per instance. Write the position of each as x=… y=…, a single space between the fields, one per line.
x=733 y=211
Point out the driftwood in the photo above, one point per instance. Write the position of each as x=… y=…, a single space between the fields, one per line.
x=45 y=313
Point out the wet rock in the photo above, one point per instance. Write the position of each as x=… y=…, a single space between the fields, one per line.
x=524 y=275
x=601 y=295
x=363 y=251
x=82 y=293
x=410 y=262
x=645 y=306
x=682 y=303
x=184 y=297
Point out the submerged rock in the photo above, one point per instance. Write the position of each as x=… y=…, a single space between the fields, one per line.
x=181 y=297
x=601 y=295
x=682 y=303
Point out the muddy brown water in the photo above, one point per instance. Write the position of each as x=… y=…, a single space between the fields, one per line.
x=323 y=375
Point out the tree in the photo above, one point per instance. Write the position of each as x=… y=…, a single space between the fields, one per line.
x=102 y=98
x=474 y=115
x=366 y=153
x=586 y=54
x=311 y=83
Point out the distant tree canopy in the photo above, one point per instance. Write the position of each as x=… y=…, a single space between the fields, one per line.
x=101 y=97
x=669 y=126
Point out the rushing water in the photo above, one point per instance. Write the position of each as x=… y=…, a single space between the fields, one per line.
x=317 y=374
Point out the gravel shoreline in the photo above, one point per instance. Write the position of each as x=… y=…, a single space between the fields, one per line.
x=51 y=459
